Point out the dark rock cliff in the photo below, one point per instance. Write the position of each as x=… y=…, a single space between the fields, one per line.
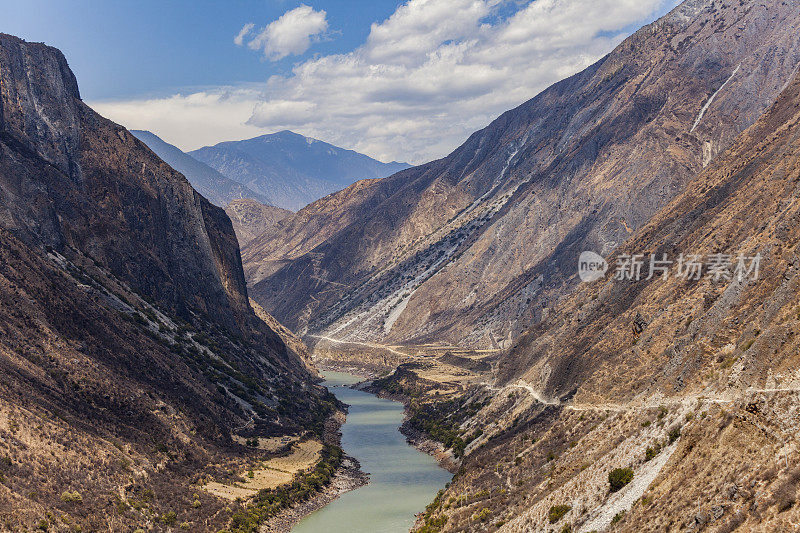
x=128 y=347
x=74 y=179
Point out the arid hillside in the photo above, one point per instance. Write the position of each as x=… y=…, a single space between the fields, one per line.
x=688 y=379
x=475 y=248
x=251 y=218
x=132 y=361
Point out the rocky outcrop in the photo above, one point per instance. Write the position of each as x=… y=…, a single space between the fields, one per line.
x=481 y=244
x=72 y=179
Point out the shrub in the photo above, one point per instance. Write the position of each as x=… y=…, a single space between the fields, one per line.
x=617 y=517
x=482 y=515
x=71 y=497
x=557 y=512
x=650 y=453
x=169 y=518
x=619 y=477
x=674 y=434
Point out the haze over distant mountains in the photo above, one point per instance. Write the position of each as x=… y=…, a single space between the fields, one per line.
x=291 y=170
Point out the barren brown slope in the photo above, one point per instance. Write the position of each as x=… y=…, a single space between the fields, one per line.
x=130 y=355
x=251 y=218
x=701 y=404
x=470 y=249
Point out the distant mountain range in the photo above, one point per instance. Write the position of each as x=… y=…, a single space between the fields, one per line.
x=218 y=189
x=290 y=170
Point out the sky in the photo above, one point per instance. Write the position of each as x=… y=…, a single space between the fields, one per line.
x=398 y=80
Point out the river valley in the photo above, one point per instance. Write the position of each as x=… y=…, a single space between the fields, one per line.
x=403 y=480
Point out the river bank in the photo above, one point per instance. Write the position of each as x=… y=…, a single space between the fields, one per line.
x=348 y=477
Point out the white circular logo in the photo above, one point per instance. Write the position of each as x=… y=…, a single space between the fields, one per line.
x=591 y=267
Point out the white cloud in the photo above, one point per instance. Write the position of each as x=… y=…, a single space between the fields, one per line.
x=291 y=34
x=424 y=79
x=239 y=39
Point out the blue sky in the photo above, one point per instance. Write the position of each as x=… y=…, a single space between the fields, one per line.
x=121 y=49
x=405 y=80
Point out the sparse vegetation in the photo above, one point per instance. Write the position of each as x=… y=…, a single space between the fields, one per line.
x=170 y=518
x=482 y=515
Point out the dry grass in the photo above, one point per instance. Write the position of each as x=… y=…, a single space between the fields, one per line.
x=269 y=474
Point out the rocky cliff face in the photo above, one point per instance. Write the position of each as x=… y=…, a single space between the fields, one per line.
x=128 y=345
x=73 y=179
x=476 y=247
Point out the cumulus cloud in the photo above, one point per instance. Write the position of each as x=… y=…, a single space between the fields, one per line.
x=433 y=72
x=291 y=34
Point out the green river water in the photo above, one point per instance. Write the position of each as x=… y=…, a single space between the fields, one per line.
x=403 y=480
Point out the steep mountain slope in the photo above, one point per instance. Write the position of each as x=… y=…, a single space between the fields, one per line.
x=691 y=383
x=130 y=354
x=218 y=189
x=291 y=170
x=476 y=247
x=251 y=218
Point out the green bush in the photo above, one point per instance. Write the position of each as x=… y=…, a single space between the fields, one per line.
x=650 y=453
x=482 y=515
x=557 y=512
x=71 y=497
x=169 y=518
x=674 y=434
x=619 y=477
x=617 y=517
